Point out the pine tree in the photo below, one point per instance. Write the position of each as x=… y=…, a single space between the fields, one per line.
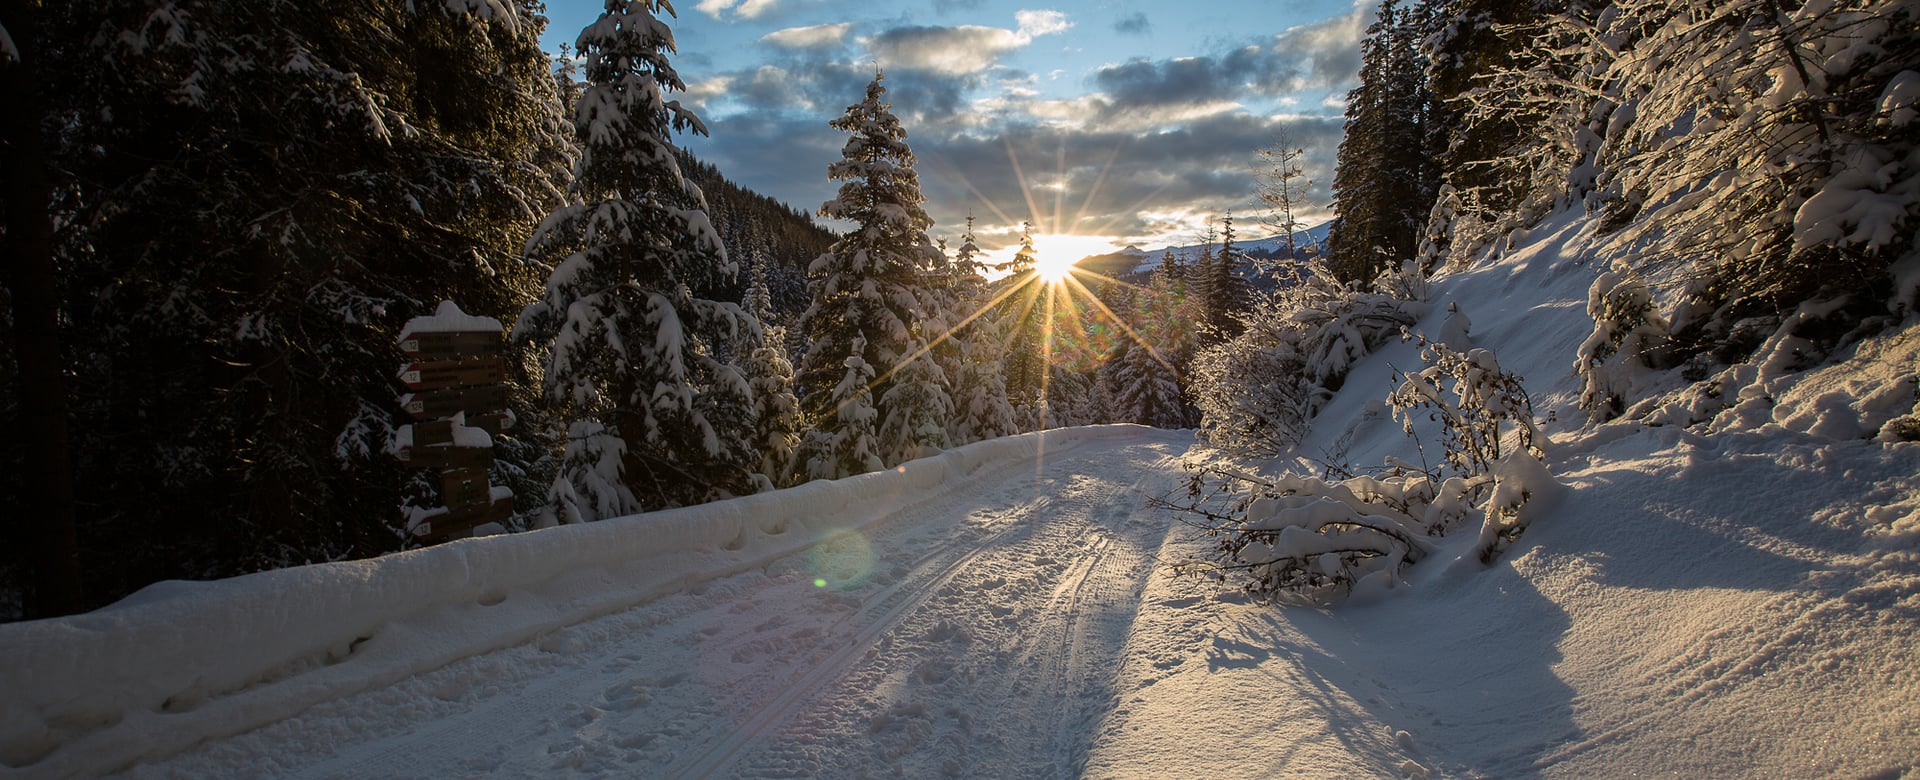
x=636 y=361
x=844 y=440
x=867 y=290
x=1383 y=188
x=917 y=408
x=256 y=197
x=1023 y=316
x=1226 y=293
x=1471 y=43
x=972 y=356
x=776 y=411
x=44 y=529
x=1145 y=388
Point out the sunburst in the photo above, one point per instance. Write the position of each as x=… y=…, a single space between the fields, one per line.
x=1053 y=285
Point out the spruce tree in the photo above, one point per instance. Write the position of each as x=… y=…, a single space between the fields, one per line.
x=1383 y=187
x=776 y=411
x=255 y=198
x=1023 y=318
x=636 y=361
x=1226 y=293
x=867 y=293
x=974 y=362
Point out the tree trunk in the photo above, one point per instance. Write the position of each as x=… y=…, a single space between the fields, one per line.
x=52 y=545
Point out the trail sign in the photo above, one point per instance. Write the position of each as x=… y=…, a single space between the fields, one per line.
x=457 y=376
x=450 y=344
x=432 y=432
x=465 y=487
x=441 y=524
x=447 y=456
x=461 y=372
x=435 y=404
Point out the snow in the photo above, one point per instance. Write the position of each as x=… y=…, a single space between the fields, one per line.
x=1731 y=594
x=448 y=318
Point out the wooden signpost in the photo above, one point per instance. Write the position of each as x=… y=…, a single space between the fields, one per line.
x=456 y=374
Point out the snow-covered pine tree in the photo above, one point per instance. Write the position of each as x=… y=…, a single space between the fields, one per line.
x=1070 y=397
x=1383 y=186
x=974 y=367
x=1023 y=316
x=1145 y=388
x=566 y=79
x=256 y=196
x=868 y=289
x=844 y=440
x=776 y=411
x=637 y=362
x=916 y=410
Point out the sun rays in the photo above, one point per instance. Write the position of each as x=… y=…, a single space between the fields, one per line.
x=1053 y=307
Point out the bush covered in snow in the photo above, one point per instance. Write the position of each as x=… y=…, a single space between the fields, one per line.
x=1477 y=405
x=1319 y=540
x=1257 y=392
x=1309 y=539
x=1629 y=336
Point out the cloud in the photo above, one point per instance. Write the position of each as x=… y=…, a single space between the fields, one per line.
x=744 y=9
x=1145 y=188
x=1148 y=184
x=819 y=36
x=700 y=94
x=1135 y=24
x=964 y=49
x=753 y=9
x=1034 y=24
x=1321 y=57
x=944 y=7
x=951 y=51
x=714 y=8
x=1156 y=147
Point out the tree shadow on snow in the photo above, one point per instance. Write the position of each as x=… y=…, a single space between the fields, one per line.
x=1459 y=681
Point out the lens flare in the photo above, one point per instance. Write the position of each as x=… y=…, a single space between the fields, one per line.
x=841 y=560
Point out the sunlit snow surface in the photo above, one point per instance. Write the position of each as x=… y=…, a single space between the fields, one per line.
x=1743 y=603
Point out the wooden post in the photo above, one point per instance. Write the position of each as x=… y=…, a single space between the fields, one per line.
x=455 y=376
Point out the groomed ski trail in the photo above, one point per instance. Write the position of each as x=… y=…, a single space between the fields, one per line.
x=877 y=650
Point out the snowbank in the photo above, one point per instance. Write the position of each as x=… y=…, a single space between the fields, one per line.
x=179 y=662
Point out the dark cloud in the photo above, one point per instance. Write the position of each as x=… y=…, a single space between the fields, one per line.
x=1143 y=83
x=1134 y=24
x=1316 y=57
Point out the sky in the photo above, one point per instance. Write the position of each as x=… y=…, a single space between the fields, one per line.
x=1119 y=121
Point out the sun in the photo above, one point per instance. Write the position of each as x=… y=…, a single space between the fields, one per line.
x=1056 y=253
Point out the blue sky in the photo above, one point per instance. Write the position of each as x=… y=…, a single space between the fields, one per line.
x=1128 y=121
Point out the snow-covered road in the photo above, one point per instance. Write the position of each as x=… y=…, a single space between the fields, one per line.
x=971 y=632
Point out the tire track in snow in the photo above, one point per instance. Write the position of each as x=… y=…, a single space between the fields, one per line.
x=712 y=680
x=879 y=614
x=1008 y=669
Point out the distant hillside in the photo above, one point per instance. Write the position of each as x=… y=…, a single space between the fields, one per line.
x=1134 y=261
x=755 y=226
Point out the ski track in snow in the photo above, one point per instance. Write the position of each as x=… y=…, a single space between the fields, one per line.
x=972 y=633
